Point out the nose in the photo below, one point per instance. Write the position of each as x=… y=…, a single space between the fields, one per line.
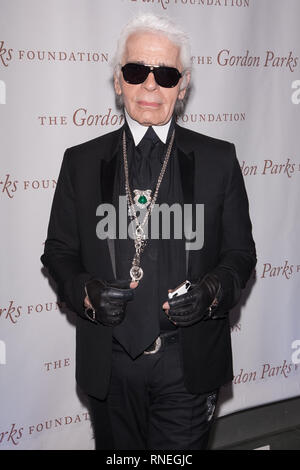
x=150 y=83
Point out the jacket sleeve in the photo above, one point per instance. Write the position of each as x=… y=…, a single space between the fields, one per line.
x=62 y=247
x=238 y=255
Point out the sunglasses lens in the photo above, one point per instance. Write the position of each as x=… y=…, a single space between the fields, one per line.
x=135 y=73
x=167 y=77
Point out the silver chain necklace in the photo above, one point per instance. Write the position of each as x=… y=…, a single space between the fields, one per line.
x=136 y=272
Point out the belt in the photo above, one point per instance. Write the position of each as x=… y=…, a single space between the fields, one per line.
x=161 y=341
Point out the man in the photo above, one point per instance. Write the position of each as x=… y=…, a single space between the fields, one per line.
x=151 y=365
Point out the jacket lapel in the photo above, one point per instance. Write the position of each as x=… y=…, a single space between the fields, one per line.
x=108 y=170
x=187 y=172
x=186 y=160
x=107 y=179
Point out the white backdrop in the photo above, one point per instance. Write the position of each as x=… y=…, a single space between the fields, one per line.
x=55 y=92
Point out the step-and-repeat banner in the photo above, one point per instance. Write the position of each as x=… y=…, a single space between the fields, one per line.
x=56 y=91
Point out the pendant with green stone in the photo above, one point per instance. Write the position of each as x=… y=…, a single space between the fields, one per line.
x=142 y=198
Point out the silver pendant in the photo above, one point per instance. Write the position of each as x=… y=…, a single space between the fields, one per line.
x=136 y=273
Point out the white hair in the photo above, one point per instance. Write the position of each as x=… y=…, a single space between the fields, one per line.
x=148 y=22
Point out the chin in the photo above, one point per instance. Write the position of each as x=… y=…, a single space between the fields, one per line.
x=148 y=117
x=150 y=120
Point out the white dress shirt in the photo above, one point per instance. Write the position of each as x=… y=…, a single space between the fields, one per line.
x=138 y=131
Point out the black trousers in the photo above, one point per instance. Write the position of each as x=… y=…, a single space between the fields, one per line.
x=148 y=406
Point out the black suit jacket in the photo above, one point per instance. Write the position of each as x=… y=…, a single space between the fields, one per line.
x=210 y=175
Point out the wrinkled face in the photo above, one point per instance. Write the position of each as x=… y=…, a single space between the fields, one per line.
x=148 y=103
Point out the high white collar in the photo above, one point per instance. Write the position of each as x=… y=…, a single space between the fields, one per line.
x=138 y=131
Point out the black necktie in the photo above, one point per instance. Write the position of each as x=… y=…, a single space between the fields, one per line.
x=146 y=164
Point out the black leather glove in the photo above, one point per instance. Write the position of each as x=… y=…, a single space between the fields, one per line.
x=197 y=304
x=109 y=300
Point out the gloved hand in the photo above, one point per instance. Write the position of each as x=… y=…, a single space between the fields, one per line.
x=108 y=300
x=197 y=303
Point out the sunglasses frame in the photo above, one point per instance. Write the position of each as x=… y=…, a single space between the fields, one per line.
x=152 y=68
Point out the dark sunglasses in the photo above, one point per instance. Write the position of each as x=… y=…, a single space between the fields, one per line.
x=167 y=77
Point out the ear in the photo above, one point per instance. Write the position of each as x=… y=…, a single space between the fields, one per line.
x=185 y=82
x=117 y=85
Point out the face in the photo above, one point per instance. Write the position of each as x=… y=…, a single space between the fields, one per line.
x=148 y=103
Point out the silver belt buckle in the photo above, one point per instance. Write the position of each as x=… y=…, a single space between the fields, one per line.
x=156 y=348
